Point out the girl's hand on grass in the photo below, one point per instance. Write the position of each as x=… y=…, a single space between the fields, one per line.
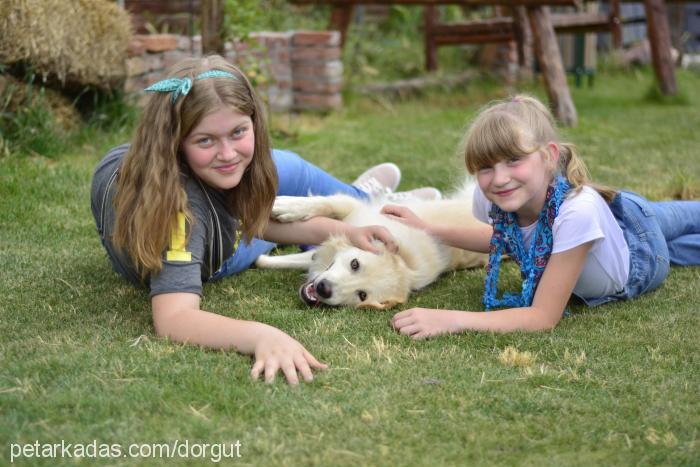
x=404 y=215
x=362 y=237
x=419 y=323
x=276 y=351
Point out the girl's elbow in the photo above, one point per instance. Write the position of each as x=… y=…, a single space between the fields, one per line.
x=160 y=324
x=164 y=321
x=546 y=321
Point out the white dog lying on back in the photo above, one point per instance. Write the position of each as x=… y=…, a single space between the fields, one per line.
x=341 y=274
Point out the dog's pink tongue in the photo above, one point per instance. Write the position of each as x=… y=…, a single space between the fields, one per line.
x=307 y=292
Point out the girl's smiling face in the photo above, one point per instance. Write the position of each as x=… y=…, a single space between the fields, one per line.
x=220 y=148
x=520 y=184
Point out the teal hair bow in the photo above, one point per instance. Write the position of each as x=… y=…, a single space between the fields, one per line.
x=181 y=86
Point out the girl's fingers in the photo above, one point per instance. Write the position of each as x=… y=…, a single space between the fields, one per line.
x=402 y=314
x=302 y=367
x=382 y=234
x=271 y=367
x=402 y=318
x=420 y=335
x=391 y=209
x=255 y=371
x=313 y=362
x=290 y=372
x=410 y=330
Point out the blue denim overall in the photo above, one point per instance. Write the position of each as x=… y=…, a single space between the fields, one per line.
x=658 y=234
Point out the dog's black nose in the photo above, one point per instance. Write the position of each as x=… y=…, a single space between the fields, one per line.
x=324 y=289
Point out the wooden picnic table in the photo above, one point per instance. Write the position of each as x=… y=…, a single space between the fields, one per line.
x=545 y=43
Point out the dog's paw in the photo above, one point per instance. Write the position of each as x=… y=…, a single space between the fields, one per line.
x=264 y=262
x=291 y=209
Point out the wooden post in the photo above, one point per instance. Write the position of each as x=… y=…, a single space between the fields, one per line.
x=430 y=17
x=549 y=57
x=660 y=41
x=340 y=20
x=523 y=35
x=212 y=26
x=616 y=20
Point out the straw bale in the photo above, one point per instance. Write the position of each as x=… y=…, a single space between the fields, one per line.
x=78 y=42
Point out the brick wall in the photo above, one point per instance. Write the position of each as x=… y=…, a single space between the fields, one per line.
x=303 y=69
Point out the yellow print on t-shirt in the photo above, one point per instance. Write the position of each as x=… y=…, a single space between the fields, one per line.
x=178 y=242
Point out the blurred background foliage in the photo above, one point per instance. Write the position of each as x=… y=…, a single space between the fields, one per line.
x=36 y=119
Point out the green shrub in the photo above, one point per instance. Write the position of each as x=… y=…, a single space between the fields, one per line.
x=27 y=123
x=243 y=17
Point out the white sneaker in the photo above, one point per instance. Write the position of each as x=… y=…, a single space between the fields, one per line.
x=379 y=180
x=426 y=193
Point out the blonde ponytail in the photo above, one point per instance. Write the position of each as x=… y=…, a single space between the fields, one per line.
x=576 y=172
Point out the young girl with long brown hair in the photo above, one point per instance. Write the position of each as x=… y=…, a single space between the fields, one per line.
x=567 y=235
x=189 y=201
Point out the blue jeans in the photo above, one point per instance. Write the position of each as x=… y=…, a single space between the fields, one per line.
x=297 y=177
x=658 y=234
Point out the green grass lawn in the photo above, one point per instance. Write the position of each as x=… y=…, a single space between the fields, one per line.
x=615 y=385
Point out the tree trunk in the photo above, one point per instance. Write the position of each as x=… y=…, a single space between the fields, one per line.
x=549 y=57
x=212 y=26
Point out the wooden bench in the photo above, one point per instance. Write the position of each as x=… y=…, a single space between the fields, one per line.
x=545 y=43
x=512 y=28
x=544 y=38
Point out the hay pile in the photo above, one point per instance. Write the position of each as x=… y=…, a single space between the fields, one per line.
x=77 y=42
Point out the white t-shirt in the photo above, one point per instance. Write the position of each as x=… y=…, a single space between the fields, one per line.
x=582 y=218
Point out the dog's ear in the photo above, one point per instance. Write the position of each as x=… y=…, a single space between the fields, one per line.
x=324 y=254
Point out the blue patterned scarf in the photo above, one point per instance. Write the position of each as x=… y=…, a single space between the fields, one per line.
x=507 y=238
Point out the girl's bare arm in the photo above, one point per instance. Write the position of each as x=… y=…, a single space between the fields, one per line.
x=551 y=297
x=178 y=317
x=475 y=238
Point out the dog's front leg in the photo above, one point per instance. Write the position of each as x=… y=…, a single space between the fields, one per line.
x=301 y=208
x=292 y=261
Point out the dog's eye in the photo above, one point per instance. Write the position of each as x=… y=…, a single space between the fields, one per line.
x=362 y=295
x=354 y=265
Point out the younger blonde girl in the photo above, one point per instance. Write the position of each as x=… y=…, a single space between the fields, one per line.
x=568 y=235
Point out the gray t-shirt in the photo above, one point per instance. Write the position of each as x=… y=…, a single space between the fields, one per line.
x=196 y=250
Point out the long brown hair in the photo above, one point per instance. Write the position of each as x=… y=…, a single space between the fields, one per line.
x=150 y=186
x=516 y=127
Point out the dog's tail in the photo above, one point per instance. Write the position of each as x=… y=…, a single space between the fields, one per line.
x=465 y=191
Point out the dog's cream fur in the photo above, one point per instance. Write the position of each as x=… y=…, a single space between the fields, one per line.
x=354 y=277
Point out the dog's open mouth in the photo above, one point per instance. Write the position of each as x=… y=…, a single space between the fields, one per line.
x=307 y=292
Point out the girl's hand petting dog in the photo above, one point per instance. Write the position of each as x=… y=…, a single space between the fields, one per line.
x=276 y=351
x=404 y=215
x=363 y=238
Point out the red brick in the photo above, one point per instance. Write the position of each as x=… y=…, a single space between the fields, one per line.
x=158 y=42
x=300 y=54
x=171 y=57
x=272 y=39
x=328 y=70
x=135 y=84
x=135 y=48
x=283 y=84
x=154 y=62
x=135 y=66
x=324 y=38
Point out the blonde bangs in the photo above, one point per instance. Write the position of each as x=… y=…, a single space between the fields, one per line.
x=493 y=137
